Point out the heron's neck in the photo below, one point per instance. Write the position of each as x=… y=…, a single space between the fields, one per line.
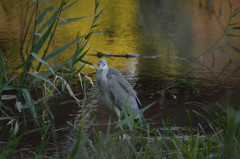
x=104 y=71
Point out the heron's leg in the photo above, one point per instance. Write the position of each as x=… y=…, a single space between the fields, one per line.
x=117 y=111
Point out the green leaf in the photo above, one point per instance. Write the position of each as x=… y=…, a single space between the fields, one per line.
x=85 y=61
x=3 y=86
x=76 y=72
x=15 y=129
x=81 y=56
x=75 y=55
x=71 y=20
x=97 y=16
x=20 y=66
x=36 y=48
x=49 y=22
x=8 y=118
x=61 y=49
x=70 y=5
x=2 y=68
x=82 y=138
x=29 y=102
x=49 y=73
x=40 y=100
x=39 y=44
x=43 y=62
x=89 y=35
x=96 y=5
x=42 y=15
x=98 y=32
x=95 y=25
x=42 y=79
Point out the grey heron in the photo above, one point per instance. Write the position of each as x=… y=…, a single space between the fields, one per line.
x=116 y=92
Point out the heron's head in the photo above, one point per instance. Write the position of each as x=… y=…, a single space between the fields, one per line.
x=102 y=64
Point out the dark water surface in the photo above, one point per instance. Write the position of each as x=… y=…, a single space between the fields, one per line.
x=177 y=30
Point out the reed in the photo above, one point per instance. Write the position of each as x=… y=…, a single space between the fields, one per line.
x=20 y=106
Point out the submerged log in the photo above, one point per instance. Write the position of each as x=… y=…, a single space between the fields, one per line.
x=101 y=54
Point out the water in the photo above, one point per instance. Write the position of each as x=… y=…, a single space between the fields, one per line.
x=176 y=30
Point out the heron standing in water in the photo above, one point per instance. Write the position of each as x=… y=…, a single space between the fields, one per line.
x=115 y=91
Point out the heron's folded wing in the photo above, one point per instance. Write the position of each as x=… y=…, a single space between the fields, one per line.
x=119 y=86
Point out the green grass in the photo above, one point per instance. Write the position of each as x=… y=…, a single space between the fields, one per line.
x=208 y=141
x=21 y=77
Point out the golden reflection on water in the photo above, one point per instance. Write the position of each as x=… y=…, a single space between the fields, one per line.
x=119 y=20
x=172 y=29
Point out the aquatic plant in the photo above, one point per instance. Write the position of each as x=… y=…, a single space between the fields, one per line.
x=216 y=139
x=26 y=85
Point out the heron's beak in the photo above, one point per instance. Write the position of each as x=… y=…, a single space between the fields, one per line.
x=100 y=67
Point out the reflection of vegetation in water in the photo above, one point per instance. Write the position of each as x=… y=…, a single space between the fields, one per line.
x=224 y=42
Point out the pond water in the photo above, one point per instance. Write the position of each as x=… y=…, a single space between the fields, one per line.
x=182 y=32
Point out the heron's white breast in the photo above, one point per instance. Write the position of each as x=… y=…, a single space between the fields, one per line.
x=102 y=80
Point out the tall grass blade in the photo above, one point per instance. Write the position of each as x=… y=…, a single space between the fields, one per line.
x=42 y=15
x=42 y=79
x=40 y=42
x=97 y=16
x=76 y=72
x=43 y=62
x=70 y=5
x=47 y=74
x=96 y=6
x=230 y=134
x=5 y=85
x=50 y=21
x=71 y=20
x=190 y=122
x=81 y=56
x=82 y=138
x=2 y=68
x=30 y=104
x=61 y=49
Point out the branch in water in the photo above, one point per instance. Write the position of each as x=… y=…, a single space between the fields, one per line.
x=101 y=54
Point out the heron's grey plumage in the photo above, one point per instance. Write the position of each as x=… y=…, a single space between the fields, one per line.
x=115 y=90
